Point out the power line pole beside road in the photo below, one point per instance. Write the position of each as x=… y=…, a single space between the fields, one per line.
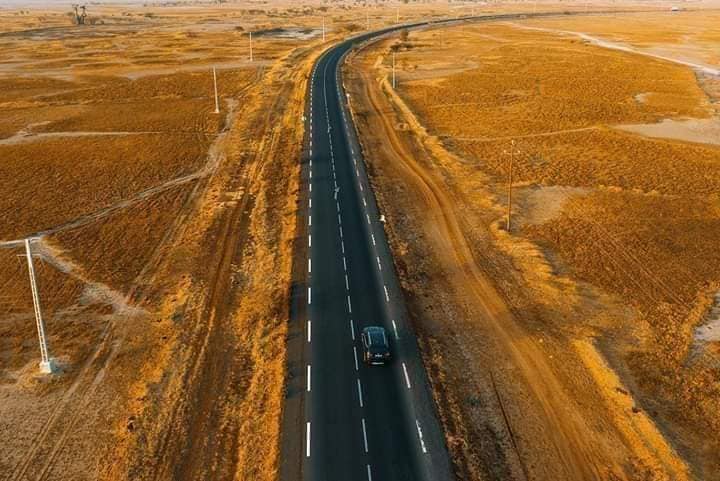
x=47 y=364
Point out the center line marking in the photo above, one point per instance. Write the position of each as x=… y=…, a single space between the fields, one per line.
x=344 y=264
x=359 y=392
x=369 y=473
x=309 y=295
x=357 y=368
x=373 y=238
x=407 y=378
x=368 y=217
x=352 y=329
x=309 y=327
x=347 y=284
x=309 y=240
x=395 y=329
x=378 y=261
x=342 y=246
x=309 y=265
x=309 y=220
x=349 y=305
x=387 y=297
x=364 y=435
x=308 y=379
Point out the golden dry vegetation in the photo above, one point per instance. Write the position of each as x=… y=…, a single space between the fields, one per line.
x=682 y=33
x=609 y=267
x=165 y=237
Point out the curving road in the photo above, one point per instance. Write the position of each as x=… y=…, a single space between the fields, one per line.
x=358 y=422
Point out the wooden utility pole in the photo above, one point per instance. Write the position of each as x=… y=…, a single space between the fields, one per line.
x=393 y=70
x=510 y=183
x=217 y=103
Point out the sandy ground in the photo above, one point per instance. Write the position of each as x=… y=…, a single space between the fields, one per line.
x=166 y=241
x=541 y=345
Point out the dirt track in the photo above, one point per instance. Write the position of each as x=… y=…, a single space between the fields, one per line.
x=540 y=410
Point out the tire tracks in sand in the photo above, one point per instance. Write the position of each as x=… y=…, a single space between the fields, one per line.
x=555 y=437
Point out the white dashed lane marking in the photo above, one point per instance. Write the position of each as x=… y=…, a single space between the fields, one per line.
x=365 y=442
x=407 y=378
x=420 y=436
x=307 y=439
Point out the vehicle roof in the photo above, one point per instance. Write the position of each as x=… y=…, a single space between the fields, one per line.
x=376 y=335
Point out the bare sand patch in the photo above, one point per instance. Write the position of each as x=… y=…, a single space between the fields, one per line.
x=701 y=131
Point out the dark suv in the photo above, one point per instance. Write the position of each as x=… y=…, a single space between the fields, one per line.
x=376 y=347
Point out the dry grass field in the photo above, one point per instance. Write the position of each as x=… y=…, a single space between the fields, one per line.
x=610 y=265
x=165 y=238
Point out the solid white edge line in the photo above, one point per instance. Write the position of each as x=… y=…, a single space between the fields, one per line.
x=309 y=384
x=360 y=397
x=364 y=435
x=407 y=378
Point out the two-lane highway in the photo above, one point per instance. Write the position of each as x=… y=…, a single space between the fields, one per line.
x=364 y=423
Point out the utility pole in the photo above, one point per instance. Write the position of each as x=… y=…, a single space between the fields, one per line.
x=510 y=183
x=393 y=71
x=47 y=364
x=251 y=55
x=217 y=104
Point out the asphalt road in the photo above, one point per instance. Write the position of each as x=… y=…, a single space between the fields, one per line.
x=359 y=422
